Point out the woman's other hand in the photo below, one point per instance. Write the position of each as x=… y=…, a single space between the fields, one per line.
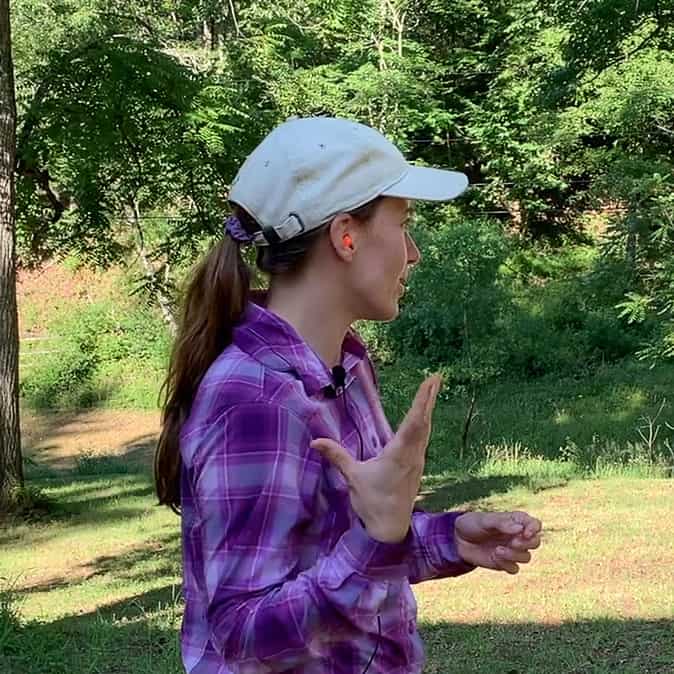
x=498 y=541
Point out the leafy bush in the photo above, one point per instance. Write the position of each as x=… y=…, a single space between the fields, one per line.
x=61 y=379
x=28 y=503
x=453 y=295
x=482 y=306
x=99 y=342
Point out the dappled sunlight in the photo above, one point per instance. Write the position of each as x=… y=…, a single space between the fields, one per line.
x=102 y=581
x=561 y=417
x=99 y=579
x=94 y=523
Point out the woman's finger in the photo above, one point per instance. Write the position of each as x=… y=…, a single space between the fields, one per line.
x=506 y=565
x=502 y=523
x=531 y=525
x=520 y=543
x=432 y=398
x=336 y=454
x=510 y=555
x=414 y=429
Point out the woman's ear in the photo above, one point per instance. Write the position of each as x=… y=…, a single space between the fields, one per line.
x=344 y=236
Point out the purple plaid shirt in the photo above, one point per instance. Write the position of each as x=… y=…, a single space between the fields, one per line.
x=279 y=574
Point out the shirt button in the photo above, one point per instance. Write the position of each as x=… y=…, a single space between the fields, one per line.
x=410 y=627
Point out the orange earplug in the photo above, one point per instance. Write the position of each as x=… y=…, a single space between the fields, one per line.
x=348 y=241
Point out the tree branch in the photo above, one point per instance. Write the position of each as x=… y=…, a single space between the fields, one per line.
x=42 y=178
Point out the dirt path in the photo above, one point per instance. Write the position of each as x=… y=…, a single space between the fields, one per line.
x=57 y=439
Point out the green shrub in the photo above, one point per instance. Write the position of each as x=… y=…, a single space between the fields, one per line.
x=531 y=347
x=62 y=379
x=546 y=262
x=453 y=295
x=479 y=309
x=28 y=503
x=106 y=352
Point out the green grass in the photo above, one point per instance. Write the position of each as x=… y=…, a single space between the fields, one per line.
x=599 y=596
x=93 y=587
x=592 y=421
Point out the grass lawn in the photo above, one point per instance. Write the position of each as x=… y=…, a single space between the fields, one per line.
x=94 y=588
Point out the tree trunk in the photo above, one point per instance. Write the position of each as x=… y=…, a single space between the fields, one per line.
x=11 y=469
x=471 y=414
x=235 y=21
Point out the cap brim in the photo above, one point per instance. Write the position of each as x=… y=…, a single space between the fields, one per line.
x=428 y=184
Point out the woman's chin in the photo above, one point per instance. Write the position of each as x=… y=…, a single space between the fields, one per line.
x=382 y=311
x=386 y=314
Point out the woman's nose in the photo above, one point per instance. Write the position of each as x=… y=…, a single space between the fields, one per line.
x=413 y=254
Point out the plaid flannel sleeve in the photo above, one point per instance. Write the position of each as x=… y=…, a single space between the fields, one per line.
x=432 y=551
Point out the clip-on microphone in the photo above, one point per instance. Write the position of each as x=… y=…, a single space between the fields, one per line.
x=339 y=378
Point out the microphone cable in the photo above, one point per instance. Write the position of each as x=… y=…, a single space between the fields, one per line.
x=339 y=379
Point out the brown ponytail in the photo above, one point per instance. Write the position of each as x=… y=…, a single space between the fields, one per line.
x=213 y=304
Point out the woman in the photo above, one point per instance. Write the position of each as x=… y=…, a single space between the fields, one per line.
x=299 y=536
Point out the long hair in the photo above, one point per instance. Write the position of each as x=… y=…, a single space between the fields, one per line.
x=213 y=304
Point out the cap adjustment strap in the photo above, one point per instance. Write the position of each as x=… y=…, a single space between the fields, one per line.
x=291 y=227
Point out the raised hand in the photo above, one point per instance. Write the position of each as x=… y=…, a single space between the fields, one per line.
x=383 y=489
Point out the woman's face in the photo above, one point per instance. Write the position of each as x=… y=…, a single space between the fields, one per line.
x=381 y=264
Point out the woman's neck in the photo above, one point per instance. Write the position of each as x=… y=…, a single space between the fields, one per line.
x=316 y=314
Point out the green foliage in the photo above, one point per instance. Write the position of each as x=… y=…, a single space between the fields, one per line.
x=27 y=503
x=603 y=32
x=10 y=616
x=62 y=380
x=453 y=295
x=134 y=120
x=105 y=352
x=642 y=238
x=480 y=308
x=536 y=264
x=565 y=328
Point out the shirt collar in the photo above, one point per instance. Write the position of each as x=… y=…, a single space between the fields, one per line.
x=275 y=343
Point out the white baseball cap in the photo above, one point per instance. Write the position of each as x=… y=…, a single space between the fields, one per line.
x=307 y=170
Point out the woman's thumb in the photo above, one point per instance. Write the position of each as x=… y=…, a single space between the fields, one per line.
x=334 y=453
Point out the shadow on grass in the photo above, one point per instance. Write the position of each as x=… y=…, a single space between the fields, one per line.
x=41 y=423
x=140 y=635
x=448 y=492
x=588 y=414
x=455 y=491
x=47 y=449
x=131 y=566
x=93 y=500
x=600 y=646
